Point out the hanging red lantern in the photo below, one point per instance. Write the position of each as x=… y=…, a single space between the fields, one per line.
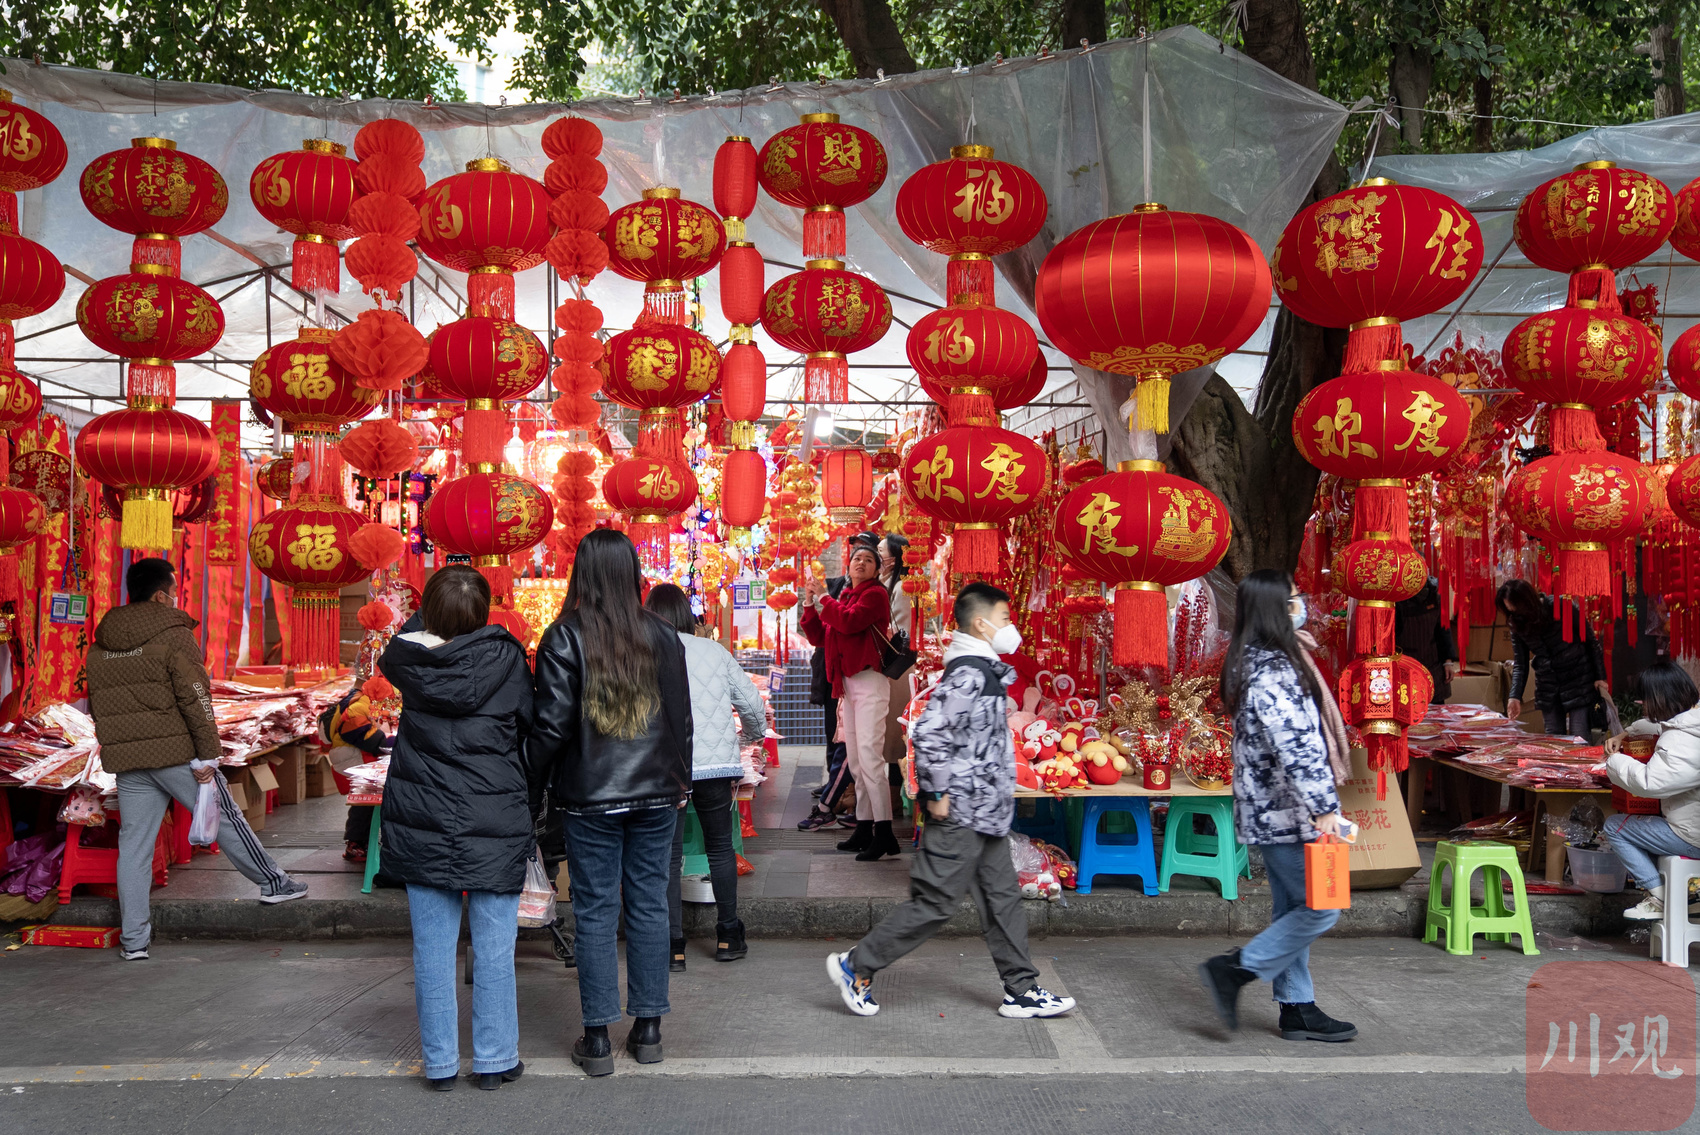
x=490 y=517
x=1382 y=425
x=743 y=389
x=490 y=222
x=306 y=546
x=20 y=401
x=32 y=151
x=1143 y=529
x=150 y=318
x=974 y=350
x=971 y=208
x=379 y=448
x=22 y=518
x=1596 y=217
x=1378 y=572
x=31 y=277
x=847 y=484
x=975 y=478
x=743 y=487
x=1682 y=491
x=1579 y=358
x=649 y=491
x=1149 y=294
x=308 y=192
x=486 y=360
x=1382 y=696
x=823 y=166
x=1683 y=362
x=147 y=454
x=1581 y=503
x=663 y=240
x=301 y=383
x=275 y=477
x=659 y=368
x=156 y=194
x=827 y=314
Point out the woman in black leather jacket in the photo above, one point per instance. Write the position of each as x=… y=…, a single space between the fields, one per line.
x=613 y=725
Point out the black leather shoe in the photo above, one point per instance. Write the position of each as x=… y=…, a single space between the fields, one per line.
x=490 y=1081
x=441 y=1084
x=1306 y=1022
x=1223 y=977
x=676 y=961
x=860 y=839
x=884 y=843
x=729 y=943
x=644 y=1041
x=592 y=1053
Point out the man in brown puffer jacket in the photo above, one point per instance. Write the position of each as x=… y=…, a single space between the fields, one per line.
x=151 y=701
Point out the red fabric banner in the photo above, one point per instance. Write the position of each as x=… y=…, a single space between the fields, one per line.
x=225 y=532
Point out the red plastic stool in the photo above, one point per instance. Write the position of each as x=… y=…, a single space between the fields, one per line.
x=97 y=865
x=177 y=823
x=746 y=822
x=771 y=744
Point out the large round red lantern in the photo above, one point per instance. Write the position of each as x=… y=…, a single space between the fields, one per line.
x=308 y=192
x=661 y=366
x=1597 y=215
x=147 y=453
x=32 y=151
x=150 y=317
x=823 y=166
x=1581 y=503
x=847 y=484
x=31 y=277
x=1578 y=358
x=1378 y=572
x=1382 y=425
x=826 y=313
x=663 y=240
x=486 y=360
x=972 y=347
x=1682 y=491
x=490 y=222
x=22 y=518
x=1685 y=232
x=975 y=478
x=301 y=383
x=306 y=545
x=1149 y=294
x=1143 y=529
x=156 y=194
x=649 y=491
x=1683 y=361
x=20 y=400
x=971 y=208
x=489 y=516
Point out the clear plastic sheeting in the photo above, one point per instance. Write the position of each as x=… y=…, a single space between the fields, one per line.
x=1229 y=137
x=1491 y=186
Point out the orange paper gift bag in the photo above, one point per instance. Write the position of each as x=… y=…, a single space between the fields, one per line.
x=1328 y=874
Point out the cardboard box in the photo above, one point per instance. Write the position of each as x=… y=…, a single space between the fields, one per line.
x=1489 y=644
x=289 y=765
x=1480 y=684
x=264 y=781
x=1386 y=852
x=320 y=782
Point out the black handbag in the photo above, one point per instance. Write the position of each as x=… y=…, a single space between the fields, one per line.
x=896 y=657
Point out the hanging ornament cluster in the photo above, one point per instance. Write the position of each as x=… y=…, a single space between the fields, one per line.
x=381 y=348
x=826 y=313
x=743 y=372
x=308 y=192
x=152 y=317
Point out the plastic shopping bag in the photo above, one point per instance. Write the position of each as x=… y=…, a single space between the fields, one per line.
x=537 y=900
x=203 y=828
x=1328 y=874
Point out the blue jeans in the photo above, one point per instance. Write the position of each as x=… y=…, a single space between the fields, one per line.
x=1640 y=840
x=626 y=856
x=1281 y=954
x=495 y=1006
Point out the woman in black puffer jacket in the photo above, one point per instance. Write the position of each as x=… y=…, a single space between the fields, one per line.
x=1570 y=676
x=456 y=816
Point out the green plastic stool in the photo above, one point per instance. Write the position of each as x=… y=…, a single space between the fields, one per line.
x=1461 y=921
x=1186 y=852
x=696 y=851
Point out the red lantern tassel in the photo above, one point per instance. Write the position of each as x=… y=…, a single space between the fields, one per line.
x=10 y=589
x=974 y=548
x=971 y=406
x=155 y=380
x=1382 y=506
x=826 y=377
x=651 y=540
x=499 y=573
x=315 y=626
x=1596 y=282
x=969 y=276
x=663 y=303
x=1574 y=429
x=1583 y=569
x=490 y=292
x=823 y=233
x=1372 y=342
x=1388 y=752
x=165 y=251
x=314 y=265
x=8 y=343
x=1141 y=626
x=484 y=433
x=9 y=209
x=1372 y=628
x=660 y=435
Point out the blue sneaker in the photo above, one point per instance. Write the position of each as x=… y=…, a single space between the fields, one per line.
x=858 y=992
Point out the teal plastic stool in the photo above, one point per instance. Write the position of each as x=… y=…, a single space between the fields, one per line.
x=1117 y=853
x=696 y=851
x=1454 y=914
x=372 y=852
x=1186 y=852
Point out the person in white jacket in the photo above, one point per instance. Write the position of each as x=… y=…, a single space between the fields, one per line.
x=718 y=687
x=1671 y=775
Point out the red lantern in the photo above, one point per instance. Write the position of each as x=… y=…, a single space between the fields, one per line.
x=1596 y=216
x=971 y=208
x=1580 y=503
x=1685 y=233
x=847 y=484
x=22 y=518
x=975 y=478
x=275 y=478
x=31 y=278
x=1143 y=529
x=490 y=222
x=1682 y=491
x=1382 y=696
x=156 y=194
x=20 y=400
x=1008 y=398
x=1579 y=358
x=147 y=453
x=823 y=166
x=1381 y=425
x=1152 y=293
x=649 y=491
x=489 y=516
x=826 y=313
x=306 y=546
x=301 y=383
x=663 y=240
x=32 y=151
x=379 y=448
x=308 y=192
x=974 y=350
x=486 y=360
x=1378 y=573
x=151 y=318
x=735 y=165
x=743 y=485
x=658 y=368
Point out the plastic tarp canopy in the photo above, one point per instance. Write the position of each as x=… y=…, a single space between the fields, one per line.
x=1491 y=186
x=1228 y=137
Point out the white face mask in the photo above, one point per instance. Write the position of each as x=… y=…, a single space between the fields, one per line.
x=1298 y=617
x=1007 y=640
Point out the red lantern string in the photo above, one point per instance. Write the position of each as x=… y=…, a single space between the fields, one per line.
x=308 y=192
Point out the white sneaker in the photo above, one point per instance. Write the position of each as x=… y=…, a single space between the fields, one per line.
x=858 y=992
x=140 y=955
x=1649 y=909
x=1036 y=1002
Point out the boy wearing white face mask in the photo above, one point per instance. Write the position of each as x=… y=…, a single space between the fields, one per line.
x=965 y=767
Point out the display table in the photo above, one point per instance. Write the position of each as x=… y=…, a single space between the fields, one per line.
x=1544 y=800
x=1125 y=788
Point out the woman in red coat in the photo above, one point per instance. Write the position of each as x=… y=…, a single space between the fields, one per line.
x=851 y=630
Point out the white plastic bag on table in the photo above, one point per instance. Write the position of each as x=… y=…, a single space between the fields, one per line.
x=537 y=900
x=203 y=828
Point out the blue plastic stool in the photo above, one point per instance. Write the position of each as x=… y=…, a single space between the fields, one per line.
x=696 y=851
x=1049 y=822
x=1186 y=852
x=1106 y=853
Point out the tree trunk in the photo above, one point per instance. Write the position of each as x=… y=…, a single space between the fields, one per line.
x=1669 y=95
x=1083 y=20
x=1410 y=78
x=871 y=35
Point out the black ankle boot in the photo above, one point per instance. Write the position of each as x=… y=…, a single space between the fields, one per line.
x=884 y=843
x=593 y=1053
x=730 y=945
x=1305 y=1021
x=644 y=1041
x=490 y=1081
x=860 y=839
x=1223 y=976
x=676 y=961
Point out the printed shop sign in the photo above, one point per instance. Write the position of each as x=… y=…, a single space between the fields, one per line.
x=1611 y=1046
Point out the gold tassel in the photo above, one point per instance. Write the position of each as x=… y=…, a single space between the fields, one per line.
x=1151 y=405
x=146 y=524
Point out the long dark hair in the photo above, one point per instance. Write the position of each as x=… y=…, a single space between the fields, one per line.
x=1667 y=690
x=899 y=569
x=1523 y=607
x=621 y=683
x=669 y=601
x=1261 y=619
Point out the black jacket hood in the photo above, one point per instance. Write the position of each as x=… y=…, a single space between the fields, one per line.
x=455 y=678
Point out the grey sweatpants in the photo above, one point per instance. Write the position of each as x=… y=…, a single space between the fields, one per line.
x=956 y=860
x=143 y=797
